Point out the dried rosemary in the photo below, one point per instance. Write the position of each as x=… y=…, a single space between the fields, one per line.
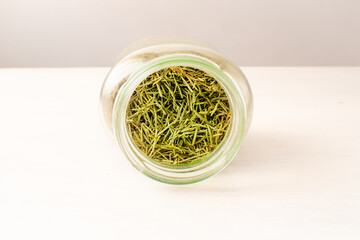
x=178 y=115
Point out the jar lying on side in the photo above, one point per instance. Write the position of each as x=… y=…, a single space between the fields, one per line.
x=177 y=108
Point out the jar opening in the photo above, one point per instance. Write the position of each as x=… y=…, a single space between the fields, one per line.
x=178 y=115
x=210 y=164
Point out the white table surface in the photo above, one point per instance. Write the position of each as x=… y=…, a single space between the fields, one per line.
x=297 y=175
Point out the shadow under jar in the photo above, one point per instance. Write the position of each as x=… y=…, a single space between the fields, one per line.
x=178 y=59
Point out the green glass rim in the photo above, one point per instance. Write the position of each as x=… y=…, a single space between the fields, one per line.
x=180 y=60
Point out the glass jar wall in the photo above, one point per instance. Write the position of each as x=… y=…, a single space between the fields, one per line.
x=148 y=56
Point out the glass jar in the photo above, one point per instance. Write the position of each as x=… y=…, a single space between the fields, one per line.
x=150 y=55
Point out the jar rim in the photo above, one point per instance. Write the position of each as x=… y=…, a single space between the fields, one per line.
x=210 y=164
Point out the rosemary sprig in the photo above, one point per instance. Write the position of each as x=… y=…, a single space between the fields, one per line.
x=178 y=115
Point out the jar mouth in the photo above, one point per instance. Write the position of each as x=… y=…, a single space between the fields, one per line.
x=205 y=167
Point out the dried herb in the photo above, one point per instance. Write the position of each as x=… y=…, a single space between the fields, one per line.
x=178 y=115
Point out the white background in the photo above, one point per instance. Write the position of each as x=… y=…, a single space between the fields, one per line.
x=68 y=33
x=296 y=176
